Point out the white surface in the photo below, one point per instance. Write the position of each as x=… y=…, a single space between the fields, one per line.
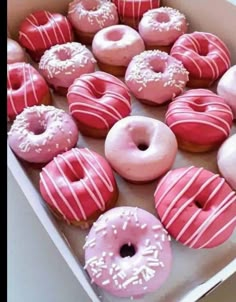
x=36 y=270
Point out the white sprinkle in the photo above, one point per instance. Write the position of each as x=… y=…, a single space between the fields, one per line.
x=145 y=253
x=160 y=246
x=169 y=238
x=162 y=264
x=98 y=275
x=156 y=236
x=125 y=225
x=130 y=280
x=101 y=228
x=106 y=282
x=163 y=237
x=143 y=226
x=104 y=233
x=156 y=254
x=145 y=287
x=111 y=254
x=147 y=242
x=104 y=254
x=156 y=227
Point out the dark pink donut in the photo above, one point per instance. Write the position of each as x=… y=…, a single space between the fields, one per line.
x=196 y=206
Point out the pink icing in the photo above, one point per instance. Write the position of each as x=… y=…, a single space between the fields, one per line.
x=196 y=206
x=92 y=15
x=147 y=145
x=62 y=64
x=226 y=160
x=77 y=184
x=117 y=44
x=148 y=262
x=155 y=76
x=203 y=54
x=15 y=52
x=25 y=88
x=227 y=88
x=41 y=132
x=200 y=116
x=99 y=100
x=162 y=26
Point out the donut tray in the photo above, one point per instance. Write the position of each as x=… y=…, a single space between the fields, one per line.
x=194 y=272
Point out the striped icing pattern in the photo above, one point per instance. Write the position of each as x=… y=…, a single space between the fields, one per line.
x=176 y=197
x=200 y=110
x=72 y=191
x=29 y=91
x=203 y=54
x=34 y=36
x=99 y=100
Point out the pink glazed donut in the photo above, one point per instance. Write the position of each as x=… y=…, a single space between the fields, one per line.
x=154 y=77
x=161 y=27
x=226 y=160
x=41 y=132
x=115 y=46
x=15 y=53
x=196 y=206
x=140 y=149
x=90 y=16
x=227 y=88
x=62 y=64
x=128 y=253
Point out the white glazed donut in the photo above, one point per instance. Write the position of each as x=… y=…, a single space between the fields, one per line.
x=140 y=149
x=127 y=252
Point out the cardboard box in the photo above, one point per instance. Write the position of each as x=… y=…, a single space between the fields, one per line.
x=195 y=272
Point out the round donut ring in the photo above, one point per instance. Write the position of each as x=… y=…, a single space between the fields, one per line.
x=127 y=252
x=196 y=206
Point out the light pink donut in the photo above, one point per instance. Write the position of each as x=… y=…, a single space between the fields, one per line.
x=227 y=88
x=117 y=44
x=140 y=148
x=92 y=15
x=15 y=53
x=155 y=77
x=63 y=63
x=226 y=160
x=162 y=26
x=41 y=132
x=128 y=253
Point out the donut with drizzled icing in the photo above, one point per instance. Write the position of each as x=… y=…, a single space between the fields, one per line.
x=88 y=17
x=25 y=88
x=131 y=11
x=204 y=55
x=41 y=30
x=196 y=206
x=62 y=64
x=97 y=101
x=78 y=186
x=128 y=253
x=200 y=119
x=154 y=77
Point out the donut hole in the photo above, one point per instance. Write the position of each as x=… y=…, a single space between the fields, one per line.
x=127 y=250
x=203 y=50
x=16 y=85
x=158 y=66
x=37 y=127
x=162 y=18
x=198 y=106
x=91 y=5
x=198 y=204
x=63 y=55
x=43 y=20
x=114 y=35
x=142 y=146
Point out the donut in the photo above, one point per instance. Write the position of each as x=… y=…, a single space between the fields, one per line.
x=161 y=27
x=128 y=252
x=115 y=46
x=88 y=17
x=227 y=88
x=197 y=207
x=154 y=77
x=41 y=30
x=204 y=55
x=25 y=88
x=97 y=101
x=226 y=160
x=62 y=64
x=15 y=52
x=78 y=186
x=41 y=132
x=131 y=11
x=140 y=149
x=200 y=119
